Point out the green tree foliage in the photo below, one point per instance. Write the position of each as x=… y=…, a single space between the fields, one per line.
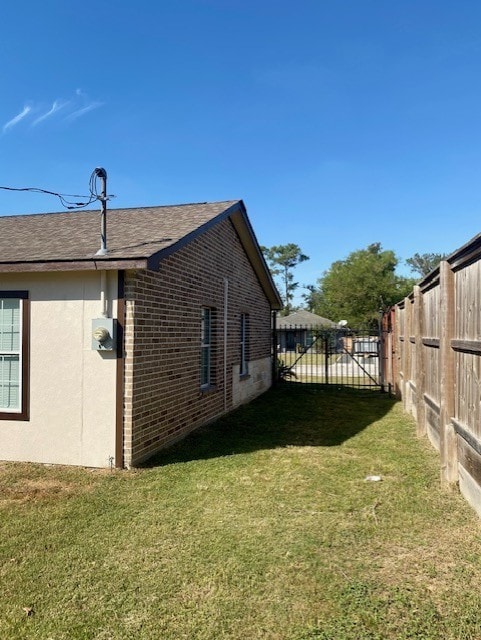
x=424 y=263
x=357 y=288
x=282 y=259
x=310 y=296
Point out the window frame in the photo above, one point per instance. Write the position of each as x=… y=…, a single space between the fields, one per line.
x=23 y=412
x=206 y=347
x=244 y=345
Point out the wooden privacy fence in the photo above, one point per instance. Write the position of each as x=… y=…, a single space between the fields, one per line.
x=432 y=360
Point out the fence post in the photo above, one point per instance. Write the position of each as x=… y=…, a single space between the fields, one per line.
x=381 y=351
x=396 y=351
x=386 y=351
x=326 y=359
x=448 y=440
x=419 y=356
x=275 y=352
x=406 y=360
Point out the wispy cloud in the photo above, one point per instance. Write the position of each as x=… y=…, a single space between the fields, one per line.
x=56 y=106
x=83 y=105
x=81 y=112
x=20 y=116
x=72 y=109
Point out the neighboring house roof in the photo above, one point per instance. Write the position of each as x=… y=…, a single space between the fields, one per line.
x=303 y=317
x=136 y=238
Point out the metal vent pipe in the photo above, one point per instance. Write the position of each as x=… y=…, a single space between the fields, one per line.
x=102 y=175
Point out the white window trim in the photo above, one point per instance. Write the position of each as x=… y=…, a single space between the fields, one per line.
x=22 y=411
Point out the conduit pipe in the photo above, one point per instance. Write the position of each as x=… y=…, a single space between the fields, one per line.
x=103 y=294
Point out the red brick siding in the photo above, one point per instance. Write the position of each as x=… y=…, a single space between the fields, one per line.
x=163 y=399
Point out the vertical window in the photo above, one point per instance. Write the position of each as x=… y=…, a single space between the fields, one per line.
x=206 y=348
x=244 y=322
x=13 y=355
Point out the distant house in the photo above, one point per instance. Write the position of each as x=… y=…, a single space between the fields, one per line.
x=104 y=360
x=297 y=330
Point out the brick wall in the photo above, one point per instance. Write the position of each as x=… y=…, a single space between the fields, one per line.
x=163 y=396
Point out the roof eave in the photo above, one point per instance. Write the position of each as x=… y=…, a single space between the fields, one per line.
x=249 y=241
x=91 y=264
x=238 y=216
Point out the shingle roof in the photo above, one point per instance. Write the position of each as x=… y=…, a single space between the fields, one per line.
x=136 y=238
x=303 y=317
x=131 y=233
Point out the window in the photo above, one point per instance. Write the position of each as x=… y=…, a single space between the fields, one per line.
x=14 y=355
x=206 y=348
x=244 y=324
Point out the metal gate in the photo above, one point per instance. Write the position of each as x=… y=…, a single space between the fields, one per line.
x=320 y=355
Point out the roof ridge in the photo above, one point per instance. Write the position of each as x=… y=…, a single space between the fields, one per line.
x=168 y=206
x=153 y=206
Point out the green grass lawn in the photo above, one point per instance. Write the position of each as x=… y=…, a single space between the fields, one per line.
x=261 y=526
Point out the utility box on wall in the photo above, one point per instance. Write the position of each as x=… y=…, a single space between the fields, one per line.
x=103 y=334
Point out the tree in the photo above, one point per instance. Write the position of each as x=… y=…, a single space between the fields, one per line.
x=282 y=259
x=310 y=296
x=357 y=288
x=424 y=263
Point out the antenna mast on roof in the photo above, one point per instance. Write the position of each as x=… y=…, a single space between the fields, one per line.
x=102 y=174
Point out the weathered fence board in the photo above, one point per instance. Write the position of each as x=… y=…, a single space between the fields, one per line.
x=432 y=360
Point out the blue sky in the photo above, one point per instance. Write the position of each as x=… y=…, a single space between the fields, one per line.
x=339 y=123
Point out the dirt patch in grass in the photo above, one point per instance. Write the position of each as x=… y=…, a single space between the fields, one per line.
x=21 y=483
x=30 y=490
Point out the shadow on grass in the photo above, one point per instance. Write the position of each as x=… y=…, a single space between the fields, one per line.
x=287 y=415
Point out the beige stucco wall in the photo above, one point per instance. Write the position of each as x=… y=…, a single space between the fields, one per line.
x=249 y=387
x=72 y=387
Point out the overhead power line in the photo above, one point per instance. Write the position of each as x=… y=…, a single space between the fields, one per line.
x=80 y=202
